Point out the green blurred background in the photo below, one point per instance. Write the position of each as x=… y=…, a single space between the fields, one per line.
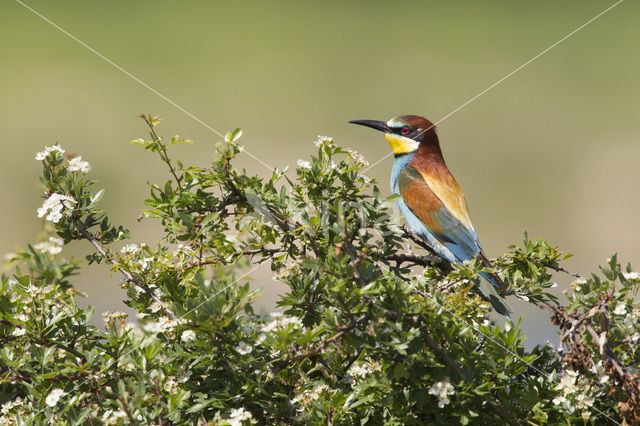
x=553 y=150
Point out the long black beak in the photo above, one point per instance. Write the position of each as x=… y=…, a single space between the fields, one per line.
x=374 y=124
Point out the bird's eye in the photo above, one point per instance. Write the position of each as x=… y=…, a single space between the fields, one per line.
x=404 y=130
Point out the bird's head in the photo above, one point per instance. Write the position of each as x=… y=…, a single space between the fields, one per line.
x=404 y=133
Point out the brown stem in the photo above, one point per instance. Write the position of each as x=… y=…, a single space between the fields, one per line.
x=561 y=269
x=428 y=260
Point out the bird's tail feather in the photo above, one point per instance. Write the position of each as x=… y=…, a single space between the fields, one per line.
x=488 y=290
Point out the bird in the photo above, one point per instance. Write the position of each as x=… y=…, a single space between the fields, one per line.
x=431 y=199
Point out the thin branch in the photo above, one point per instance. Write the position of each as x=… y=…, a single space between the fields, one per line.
x=561 y=269
x=163 y=148
x=428 y=260
x=129 y=277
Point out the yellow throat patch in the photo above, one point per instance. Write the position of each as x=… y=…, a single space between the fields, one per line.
x=400 y=144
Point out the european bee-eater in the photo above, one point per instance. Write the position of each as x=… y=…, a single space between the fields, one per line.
x=432 y=201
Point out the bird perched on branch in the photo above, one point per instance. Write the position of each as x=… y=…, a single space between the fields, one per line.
x=432 y=201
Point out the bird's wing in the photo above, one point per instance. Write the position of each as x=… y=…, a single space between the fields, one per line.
x=440 y=205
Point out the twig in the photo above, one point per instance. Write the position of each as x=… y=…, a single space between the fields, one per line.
x=561 y=269
x=163 y=149
x=129 y=277
x=428 y=260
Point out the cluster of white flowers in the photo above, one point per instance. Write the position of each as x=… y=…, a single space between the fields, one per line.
x=52 y=207
x=575 y=393
x=144 y=262
x=54 y=397
x=363 y=369
x=113 y=316
x=304 y=164
x=577 y=284
x=48 y=150
x=244 y=348
x=280 y=321
x=182 y=250
x=156 y=306
x=170 y=385
x=323 y=140
x=76 y=164
x=631 y=320
x=631 y=275
x=442 y=390
x=163 y=325
x=599 y=369
x=18 y=331
x=237 y=417
x=52 y=246
x=111 y=417
x=357 y=157
x=285 y=272
x=9 y=405
x=309 y=395
x=130 y=249
x=34 y=290
x=188 y=336
x=620 y=309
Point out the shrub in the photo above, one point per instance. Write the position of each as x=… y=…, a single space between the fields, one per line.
x=374 y=328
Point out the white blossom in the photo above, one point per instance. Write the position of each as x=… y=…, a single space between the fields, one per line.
x=568 y=382
x=163 y=325
x=631 y=275
x=322 y=140
x=238 y=416
x=304 y=164
x=76 y=164
x=442 y=390
x=188 y=336
x=560 y=400
x=130 y=249
x=112 y=316
x=52 y=207
x=155 y=306
x=144 y=262
x=363 y=369
x=18 y=331
x=243 y=348
x=281 y=321
x=7 y=406
x=48 y=150
x=576 y=393
x=54 y=397
x=309 y=395
x=598 y=369
x=357 y=157
x=182 y=250
x=34 y=290
x=52 y=246
x=111 y=417
x=577 y=284
x=620 y=309
x=170 y=385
